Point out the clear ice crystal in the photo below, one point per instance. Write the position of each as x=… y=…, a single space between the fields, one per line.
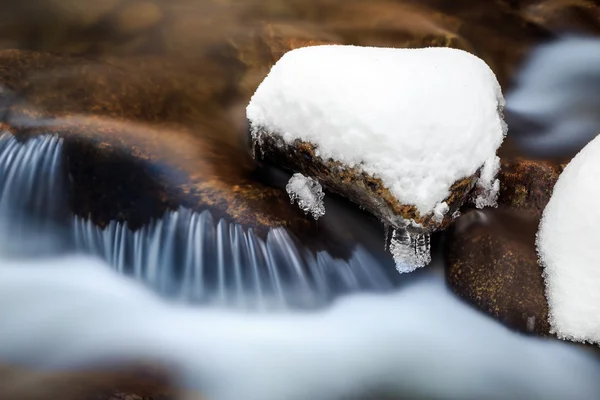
x=257 y=142
x=410 y=250
x=308 y=193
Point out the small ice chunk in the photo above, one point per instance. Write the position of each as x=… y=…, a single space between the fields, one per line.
x=488 y=186
x=568 y=243
x=419 y=120
x=410 y=251
x=308 y=193
x=440 y=211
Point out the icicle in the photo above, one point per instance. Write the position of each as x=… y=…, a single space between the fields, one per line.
x=308 y=193
x=387 y=231
x=257 y=142
x=410 y=251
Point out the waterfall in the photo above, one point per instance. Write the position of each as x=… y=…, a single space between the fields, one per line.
x=185 y=255
x=189 y=256
x=32 y=195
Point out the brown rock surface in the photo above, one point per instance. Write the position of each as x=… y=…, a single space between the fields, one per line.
x=492 y=263
x=527 y=184
x=491 y=254
x=137 y=144
x=118 y=383
x=192 y=30
x=358 y=187
x=137 y=16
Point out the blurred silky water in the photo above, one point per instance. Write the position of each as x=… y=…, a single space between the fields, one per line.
x=554 y=108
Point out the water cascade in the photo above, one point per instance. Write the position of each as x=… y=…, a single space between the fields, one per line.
x=184 y=255
x=32 y=195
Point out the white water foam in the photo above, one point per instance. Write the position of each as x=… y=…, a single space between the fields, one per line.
x=420 y=342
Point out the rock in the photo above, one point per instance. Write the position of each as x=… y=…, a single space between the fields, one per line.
x=491 y=30
x=357 y=186
x=491 y=254
x=527 y=184
x=190 y=30
x=261 y=48
x=138 y=382
x=138 y=16
x=80 y=13
x=138 y=144
x=492 y=263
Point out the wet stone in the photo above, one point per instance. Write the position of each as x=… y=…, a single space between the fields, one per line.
x=491 y=254
x=492 y=263
x=140 y=382
x=527 y=184
x=136 y=146
x=357 y=186
x=137 y=16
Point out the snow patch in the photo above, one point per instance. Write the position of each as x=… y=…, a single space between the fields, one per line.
x=418 y=119
x=568 y=243
x=488 y=186
x=308 y=193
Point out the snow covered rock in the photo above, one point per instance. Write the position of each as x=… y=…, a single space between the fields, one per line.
x=568 y=244
x=397 y=131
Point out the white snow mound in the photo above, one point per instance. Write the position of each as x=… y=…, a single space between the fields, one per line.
x=418 y=119
x=568 y=244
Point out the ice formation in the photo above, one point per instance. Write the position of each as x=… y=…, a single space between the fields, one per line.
x=568 y=243
x=308 y=193
x=488 y=186
x=410 y=251
x=418 y=119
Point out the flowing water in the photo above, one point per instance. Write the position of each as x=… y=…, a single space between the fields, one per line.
x=183 y=255
x=68 y=311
